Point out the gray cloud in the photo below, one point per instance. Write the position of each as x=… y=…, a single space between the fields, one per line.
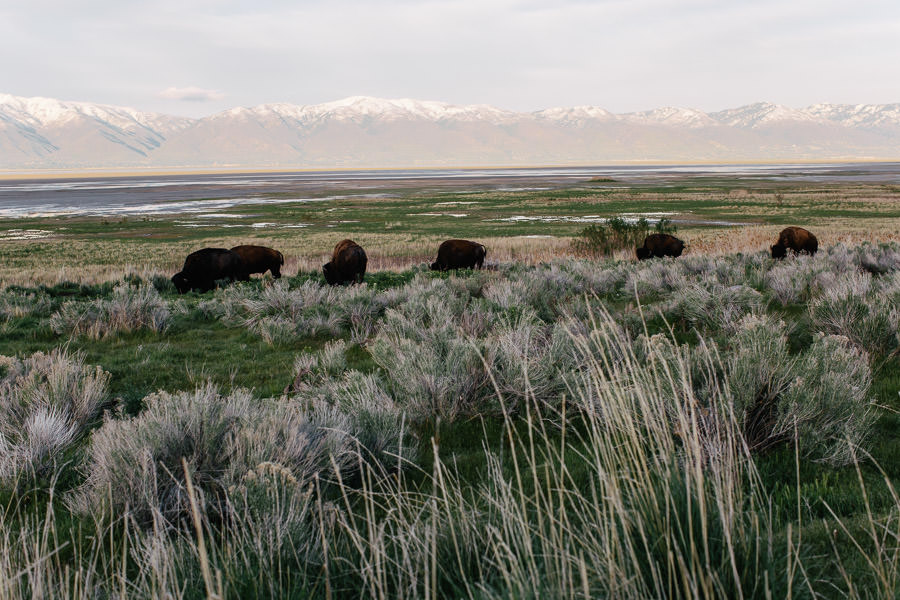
x=519 y=54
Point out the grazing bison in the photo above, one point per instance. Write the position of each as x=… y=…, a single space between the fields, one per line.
x=459 y=254
x=259 y=259
x=348 y=263
x=657 y=245
x=796 y=239
x=202 y=268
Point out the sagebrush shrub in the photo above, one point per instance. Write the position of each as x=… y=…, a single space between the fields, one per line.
x=376 y=421
x=136 y=463
x=714 y=307
x=316 y=368
x=820 y=397
x=655 y=277
x=130 y=308
x=16 y=304
x=881 y=259
x=759 y=366
x=828 y=403
x=855 y=308
x=47 y=403
x=791 y=281
x=438 y=373
x=279 y=313
x=528 y=361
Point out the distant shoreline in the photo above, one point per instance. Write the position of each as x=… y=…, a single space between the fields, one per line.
x=129 y=172
x=100 y=194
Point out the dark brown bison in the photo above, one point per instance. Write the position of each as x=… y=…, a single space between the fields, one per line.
x=459 y=254
x=202 y=268
x=796 y=239
x=259 y=259
x=348 y=263
x=657 y=245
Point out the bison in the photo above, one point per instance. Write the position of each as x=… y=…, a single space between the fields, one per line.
x=259 y=259
x=202 y=268
x=796 y=239
x=348 y=263
x=657 y=245
x=459 y=254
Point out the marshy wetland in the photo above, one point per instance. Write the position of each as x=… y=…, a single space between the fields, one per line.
x=721 y=425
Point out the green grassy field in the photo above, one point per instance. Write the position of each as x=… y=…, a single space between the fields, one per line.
x=404 y=229
x=573 y=429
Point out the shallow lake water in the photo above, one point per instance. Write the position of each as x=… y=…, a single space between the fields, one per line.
x=206 y=193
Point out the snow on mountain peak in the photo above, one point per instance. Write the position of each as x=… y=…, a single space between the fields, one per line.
x=575 y=114
x=761 y=114
x=42 y=112
x=673 y=116
x=356 y=108
x=858 y=115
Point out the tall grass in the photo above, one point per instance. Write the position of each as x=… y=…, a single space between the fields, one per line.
x=622 y=491
x=618 y=507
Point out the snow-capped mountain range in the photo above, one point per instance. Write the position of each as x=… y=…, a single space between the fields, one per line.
x=42 y=133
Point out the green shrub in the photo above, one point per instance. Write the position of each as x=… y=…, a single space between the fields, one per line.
x=602 y=239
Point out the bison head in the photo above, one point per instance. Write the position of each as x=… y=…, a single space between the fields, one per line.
x=642 y=253
x=435 y=266
x=778 y=251
x=330 y=275
x=181 y=282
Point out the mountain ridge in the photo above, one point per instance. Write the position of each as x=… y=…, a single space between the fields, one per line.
x=363 y=131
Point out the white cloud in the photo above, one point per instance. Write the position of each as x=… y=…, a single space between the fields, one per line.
x=191 y=94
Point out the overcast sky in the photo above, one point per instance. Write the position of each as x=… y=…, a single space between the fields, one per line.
x=196 y=58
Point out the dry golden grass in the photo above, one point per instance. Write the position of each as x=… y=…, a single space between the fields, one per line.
x=51 y=261
x=760 y=237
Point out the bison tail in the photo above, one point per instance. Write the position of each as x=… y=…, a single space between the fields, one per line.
x=280 y=258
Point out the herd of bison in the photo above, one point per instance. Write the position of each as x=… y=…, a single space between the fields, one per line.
x=348 y=261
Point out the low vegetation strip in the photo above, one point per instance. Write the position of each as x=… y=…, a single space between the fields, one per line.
x=707 y=426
